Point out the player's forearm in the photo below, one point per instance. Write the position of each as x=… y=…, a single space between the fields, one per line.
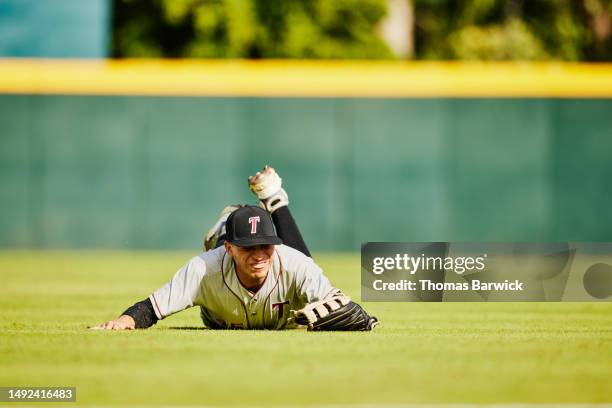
x=142 y=313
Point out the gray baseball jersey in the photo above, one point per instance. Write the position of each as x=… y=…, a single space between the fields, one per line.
x=209 y=280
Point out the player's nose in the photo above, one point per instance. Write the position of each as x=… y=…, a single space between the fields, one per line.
x=259 y=253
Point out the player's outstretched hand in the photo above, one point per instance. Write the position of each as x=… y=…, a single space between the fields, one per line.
x=123 y=322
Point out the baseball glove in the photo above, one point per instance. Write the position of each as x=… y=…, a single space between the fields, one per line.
x=337 y=313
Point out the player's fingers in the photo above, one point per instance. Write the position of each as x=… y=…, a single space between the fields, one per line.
x=118 y=326
x=121 y=326
x=110 y=325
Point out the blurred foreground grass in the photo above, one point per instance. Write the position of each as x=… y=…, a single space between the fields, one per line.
x=424 y=353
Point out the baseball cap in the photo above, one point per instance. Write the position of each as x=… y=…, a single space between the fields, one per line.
x=249 y=226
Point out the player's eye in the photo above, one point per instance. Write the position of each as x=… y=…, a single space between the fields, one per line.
x=265 y=248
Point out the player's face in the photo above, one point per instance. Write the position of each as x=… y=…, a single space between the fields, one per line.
x=254 y=262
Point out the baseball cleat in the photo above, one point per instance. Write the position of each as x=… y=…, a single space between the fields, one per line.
x=267 y=185
x=211 y=239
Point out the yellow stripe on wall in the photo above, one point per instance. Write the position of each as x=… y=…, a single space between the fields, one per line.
x=305 y=78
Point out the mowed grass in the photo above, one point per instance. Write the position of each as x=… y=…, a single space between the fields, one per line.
x=423 y=353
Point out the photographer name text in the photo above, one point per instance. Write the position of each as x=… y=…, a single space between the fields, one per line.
x=425 y=284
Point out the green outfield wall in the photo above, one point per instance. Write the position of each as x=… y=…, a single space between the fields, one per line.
x=153 y=172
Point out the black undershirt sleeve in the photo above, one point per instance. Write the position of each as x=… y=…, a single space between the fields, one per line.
x=142 y=313
x=288 y=231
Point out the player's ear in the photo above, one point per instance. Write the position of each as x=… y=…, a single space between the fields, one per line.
x=228 y=248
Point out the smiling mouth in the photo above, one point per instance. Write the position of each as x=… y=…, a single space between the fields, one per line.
x=259 y=265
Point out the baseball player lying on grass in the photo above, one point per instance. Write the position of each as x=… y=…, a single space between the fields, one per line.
x=250 y=277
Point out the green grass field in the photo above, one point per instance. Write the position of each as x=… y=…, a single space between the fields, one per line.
x=424 y=352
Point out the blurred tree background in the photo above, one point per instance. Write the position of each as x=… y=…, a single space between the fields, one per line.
x=570 y=30
x=249 y=28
